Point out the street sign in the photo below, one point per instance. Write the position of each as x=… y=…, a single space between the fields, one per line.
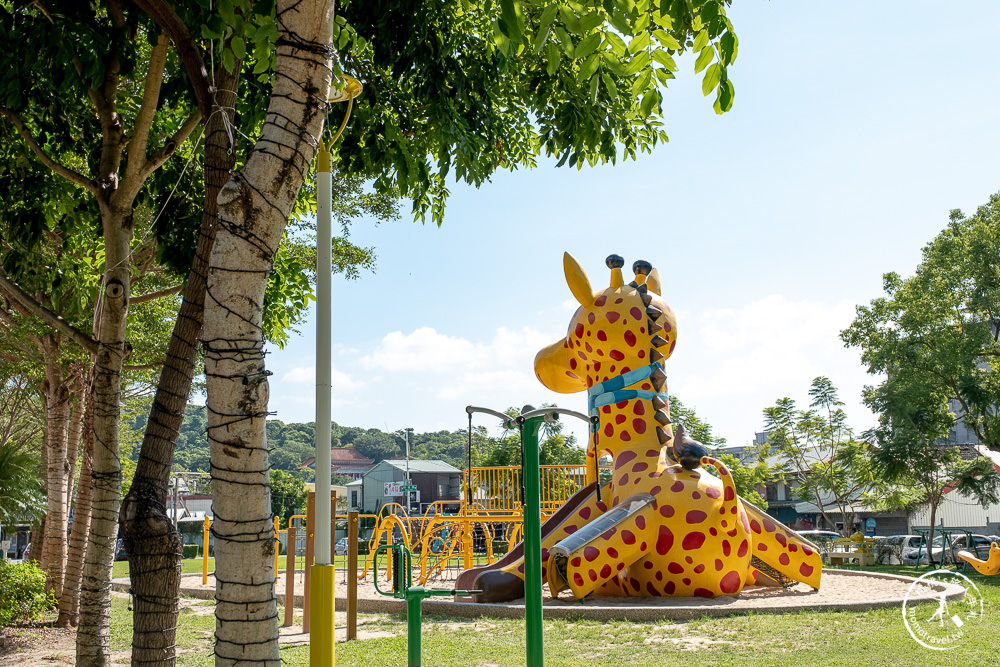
x=408 y=487
x=393 y=489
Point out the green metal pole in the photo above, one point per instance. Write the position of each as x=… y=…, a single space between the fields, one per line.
x=532 y=543
x=413 y=648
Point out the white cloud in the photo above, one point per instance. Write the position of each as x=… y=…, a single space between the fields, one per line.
x=307 y=375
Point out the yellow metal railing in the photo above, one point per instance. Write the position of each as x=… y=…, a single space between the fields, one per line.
x=497 y=488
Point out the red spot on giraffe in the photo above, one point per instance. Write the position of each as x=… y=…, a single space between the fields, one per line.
x=744 y=547
x=761 y=547
x=617 y=301
x=575 y=562
x=675 y=568
x=693 y=540
x=699 y=568
x=592 y=575
x=570 y=529
x=793 y=547
x=726 y=548
x=689 y=560
x=628 y=537
x=687 y=582
x=667 y=511
x=713 y=532
x=520 y=568
x=581 y=355
x=780 y=539
x=616 y=355
x=703 y=593
x=639 y=467
x=613 y=552
x=640 y=522
x=620 y=419
x=608 y=534
x=639 y=408
x=612 y=316
x=625 y=457
x=666 y=327
x=609 y=430
x=573 y=375
x=784 y=559
x=672 y=346
x=730 y=494
x=733 y=509
x=620 y=566
x=620 y=404
x=634 y=582
x=602 y=506
x=639 y=426
x=636 y=314
x=754 y=526
x=605 y=572
x=572 y=364
x=641 y=354
x=655 y=490
x=664 y=541
x=719 y=565
x=624 y=480
x=579 y=330
x=696 y=495
x=597 y=365
x=695 y=516
x=601 y=336
x=659 y=575
x=677 y=486
x=713 y=493
x=599 y=301
x=730 y=583
x=587 y=347
x=669 y=588
x=630 y=338
x=768 y=526
x=592 y=318
x=585 y=513
x=591 y=554
x=806 y=550
x=806 y=570
x=577 y=579
x=625 y=436
x=651 y=589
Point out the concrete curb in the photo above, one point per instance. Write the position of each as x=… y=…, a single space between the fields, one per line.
x=652 y=609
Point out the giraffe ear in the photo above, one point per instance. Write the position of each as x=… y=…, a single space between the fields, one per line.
x=653 y=282
x=577 y=280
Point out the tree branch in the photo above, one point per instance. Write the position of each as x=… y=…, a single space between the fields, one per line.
x=157 y=159
x=18 y=296
x=154 y=295
x=65 y=172
x=165 y=17
x=144 y=120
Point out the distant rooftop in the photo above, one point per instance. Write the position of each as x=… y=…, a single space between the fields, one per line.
x=422 y=466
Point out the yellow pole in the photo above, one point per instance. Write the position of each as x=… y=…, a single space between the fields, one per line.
x=204 y=552
x=277 y=546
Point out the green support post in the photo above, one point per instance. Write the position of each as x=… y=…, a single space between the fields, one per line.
x=532 y=542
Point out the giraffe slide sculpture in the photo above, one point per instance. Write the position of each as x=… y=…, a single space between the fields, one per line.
x=663 y=525
x=990 y=566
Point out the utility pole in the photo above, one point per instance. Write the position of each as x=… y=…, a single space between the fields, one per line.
x=409 y=496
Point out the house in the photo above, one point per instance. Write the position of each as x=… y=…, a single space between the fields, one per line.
x=385 y=482
x=345 y=461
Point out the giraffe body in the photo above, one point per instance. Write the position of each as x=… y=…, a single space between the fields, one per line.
x=663 y=525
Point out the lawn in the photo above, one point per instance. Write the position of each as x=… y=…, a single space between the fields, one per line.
x=805 y=638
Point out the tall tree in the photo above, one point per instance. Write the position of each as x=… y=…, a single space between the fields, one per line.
x=817 y=452
x=939 y=330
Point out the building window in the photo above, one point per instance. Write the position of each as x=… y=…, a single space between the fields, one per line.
x=354 y=498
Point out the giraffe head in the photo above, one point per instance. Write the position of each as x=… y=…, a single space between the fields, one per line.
x=615 y=330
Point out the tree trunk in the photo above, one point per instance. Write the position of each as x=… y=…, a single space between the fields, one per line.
x=151 y=542
x=93 y=638
x=254 y=207
x=69 y=603
x=57 y=410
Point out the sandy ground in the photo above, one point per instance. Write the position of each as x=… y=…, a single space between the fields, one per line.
x=36 y=647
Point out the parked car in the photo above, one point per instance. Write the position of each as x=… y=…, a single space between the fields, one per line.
x=340 y=548
x=979 y=543
x=890 y=550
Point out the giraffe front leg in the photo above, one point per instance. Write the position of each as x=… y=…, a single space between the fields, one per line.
x=593 y=555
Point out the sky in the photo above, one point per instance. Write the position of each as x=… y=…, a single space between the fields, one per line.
x=856 y=128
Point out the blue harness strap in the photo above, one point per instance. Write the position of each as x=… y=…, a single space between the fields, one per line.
x=613 y=390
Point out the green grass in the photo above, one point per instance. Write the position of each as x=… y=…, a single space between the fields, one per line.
x=804 y=638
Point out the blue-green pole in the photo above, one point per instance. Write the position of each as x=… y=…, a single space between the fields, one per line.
x=532 y=543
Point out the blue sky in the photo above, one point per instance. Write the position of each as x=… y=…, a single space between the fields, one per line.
x=856 y=128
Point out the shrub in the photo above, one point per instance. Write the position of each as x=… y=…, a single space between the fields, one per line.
x=190 y=551
x=22 y=593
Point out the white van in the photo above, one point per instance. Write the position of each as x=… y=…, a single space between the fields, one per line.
x=890 y=550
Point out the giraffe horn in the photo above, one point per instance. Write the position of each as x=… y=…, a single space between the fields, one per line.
x=577 y=280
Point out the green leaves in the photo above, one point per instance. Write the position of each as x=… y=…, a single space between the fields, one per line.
x=706 y=56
